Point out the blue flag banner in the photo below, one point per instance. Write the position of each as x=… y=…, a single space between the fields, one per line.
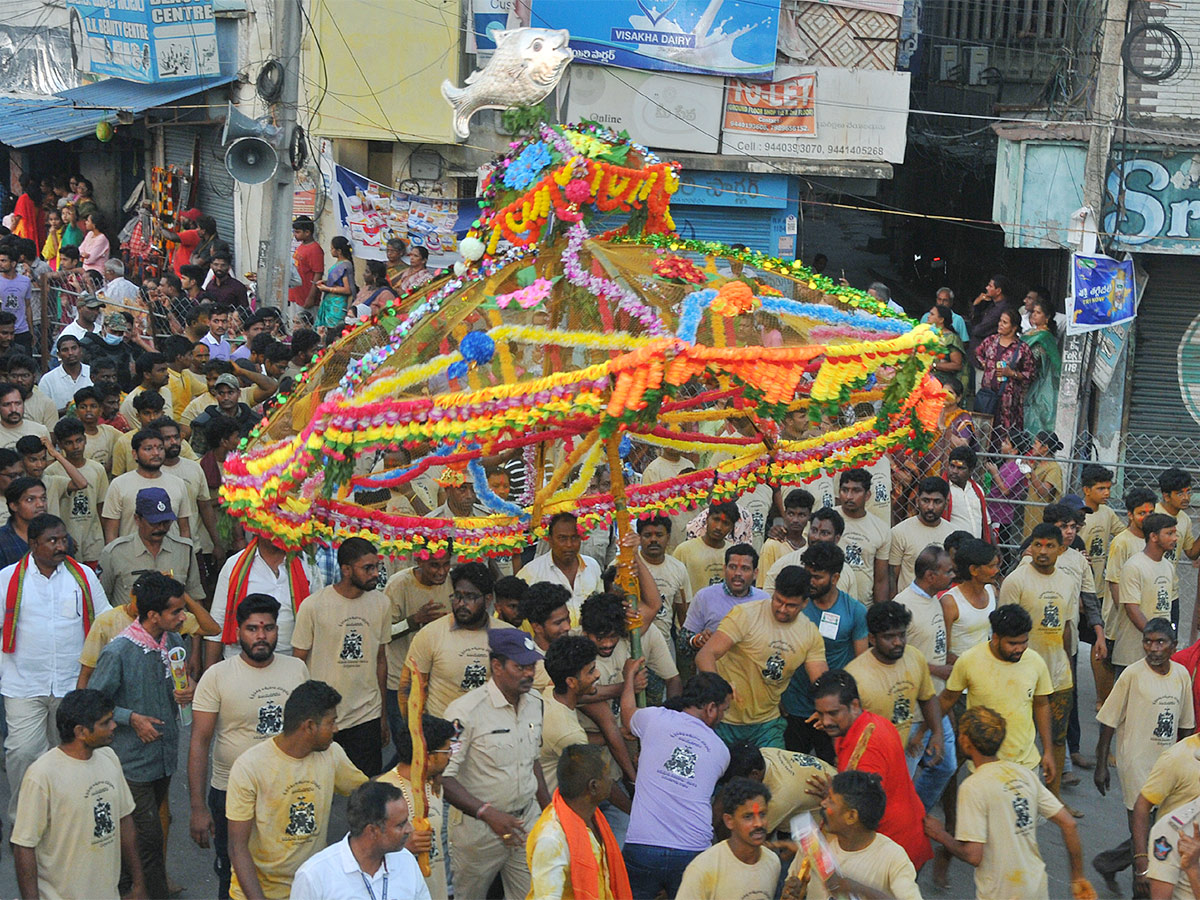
x=1103 y=293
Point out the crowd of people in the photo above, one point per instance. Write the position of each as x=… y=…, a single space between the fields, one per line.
x=785 y=709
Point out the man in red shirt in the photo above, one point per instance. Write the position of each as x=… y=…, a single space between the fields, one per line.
x=309 y=260
x=186 y=239
x=867 y=742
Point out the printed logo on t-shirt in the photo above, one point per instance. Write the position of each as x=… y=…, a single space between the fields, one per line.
x=1162 y=848
x=1162 y=603
x=302 y=818
x=854 y=555
x=1096 y=547
x=81 y=507
x=827 y=499
x=901 y=710
x=474 y=675
x=352 y=646
x=1169 y=555
x=1021 y=808
x=716 y=579
x=270 y=719
x=1165 y=727
x=773 y=670
x=881 y=492
x=102 y=814
x=939 y=641
x=682 y=762
x=1050 y=617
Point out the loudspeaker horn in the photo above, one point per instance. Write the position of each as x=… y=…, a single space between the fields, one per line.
x=238 y=125
x=251 y=160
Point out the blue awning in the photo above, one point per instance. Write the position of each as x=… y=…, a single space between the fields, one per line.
x=72 y=114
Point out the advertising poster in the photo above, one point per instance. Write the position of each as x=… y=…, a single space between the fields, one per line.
x=666 y=111
x=786 y=107
x=371 y=214
x=734 y=38
x=819 y=113
x=144 y=40
x=1104 y=293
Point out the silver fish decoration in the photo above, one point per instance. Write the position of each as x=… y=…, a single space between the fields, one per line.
x=525 y=67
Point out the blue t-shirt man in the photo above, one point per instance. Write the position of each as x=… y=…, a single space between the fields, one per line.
x=16 y=292
x=841 y=625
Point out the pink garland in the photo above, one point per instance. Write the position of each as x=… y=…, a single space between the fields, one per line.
x=605 y=289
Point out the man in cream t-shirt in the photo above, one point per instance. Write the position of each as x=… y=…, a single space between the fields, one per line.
x=866 y=540
x=917 y=532
x=738 y=867
x=452 y=652
x=238 y=704
x=1050 y=595
x=280 y=792
x=1148 y=586
x=342 y=633
x=75 y=805
x=571 y=664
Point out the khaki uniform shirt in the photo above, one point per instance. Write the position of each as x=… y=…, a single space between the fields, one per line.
x=498 y=749
x=124 y=560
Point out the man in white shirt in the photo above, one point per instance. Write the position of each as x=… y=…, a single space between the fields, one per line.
x=71 y=375
x=218 y=322
x=966 y=509
x=370 y=856
x=564 y=564
x=44 y=623
x=87 y=318
x=273 y=571
x=118 y=289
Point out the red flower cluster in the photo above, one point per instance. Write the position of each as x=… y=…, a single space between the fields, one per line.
x=676 y=268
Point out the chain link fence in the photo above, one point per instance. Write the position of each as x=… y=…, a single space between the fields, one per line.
x=1140 y=459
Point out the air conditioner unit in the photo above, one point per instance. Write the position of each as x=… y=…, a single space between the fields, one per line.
x=977 y=60
x=947 y=57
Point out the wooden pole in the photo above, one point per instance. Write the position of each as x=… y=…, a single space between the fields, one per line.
x=627 y=577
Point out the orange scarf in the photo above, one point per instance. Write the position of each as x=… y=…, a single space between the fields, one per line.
x=585 y=868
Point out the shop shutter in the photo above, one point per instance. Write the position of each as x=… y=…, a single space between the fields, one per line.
x=1165 y=366
x=216 y=185
x=751 y=227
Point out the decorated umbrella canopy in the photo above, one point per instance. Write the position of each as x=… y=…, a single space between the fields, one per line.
x=566 y=347
x=556 y=343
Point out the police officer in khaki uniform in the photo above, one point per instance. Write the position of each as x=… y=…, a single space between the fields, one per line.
x=151 y=549
x=494 y=780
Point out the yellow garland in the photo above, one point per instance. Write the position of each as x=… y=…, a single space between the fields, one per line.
x=532 y=334
x=405 y=378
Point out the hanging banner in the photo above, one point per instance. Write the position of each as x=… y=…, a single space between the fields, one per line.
x=371 y=214
x=819 y=113
x=787 y=107
x=1104 y=293
x=144 y=40
x=704 y=37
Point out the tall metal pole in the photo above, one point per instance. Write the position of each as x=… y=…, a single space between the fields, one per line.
x=1078 y=348
x=275 y=247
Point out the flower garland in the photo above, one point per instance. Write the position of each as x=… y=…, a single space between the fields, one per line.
x=606 y=289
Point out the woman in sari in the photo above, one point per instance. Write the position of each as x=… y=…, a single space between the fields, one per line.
x=418 y=271
x=1041 y=399
x=954 y=363
x=1008 y=369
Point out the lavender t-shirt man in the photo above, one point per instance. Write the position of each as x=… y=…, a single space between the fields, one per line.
x=681 y=760
x=14 y=293
x=712 y=604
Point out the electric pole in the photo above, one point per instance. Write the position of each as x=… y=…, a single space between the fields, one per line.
x=1079 y=348
x=275 y=247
